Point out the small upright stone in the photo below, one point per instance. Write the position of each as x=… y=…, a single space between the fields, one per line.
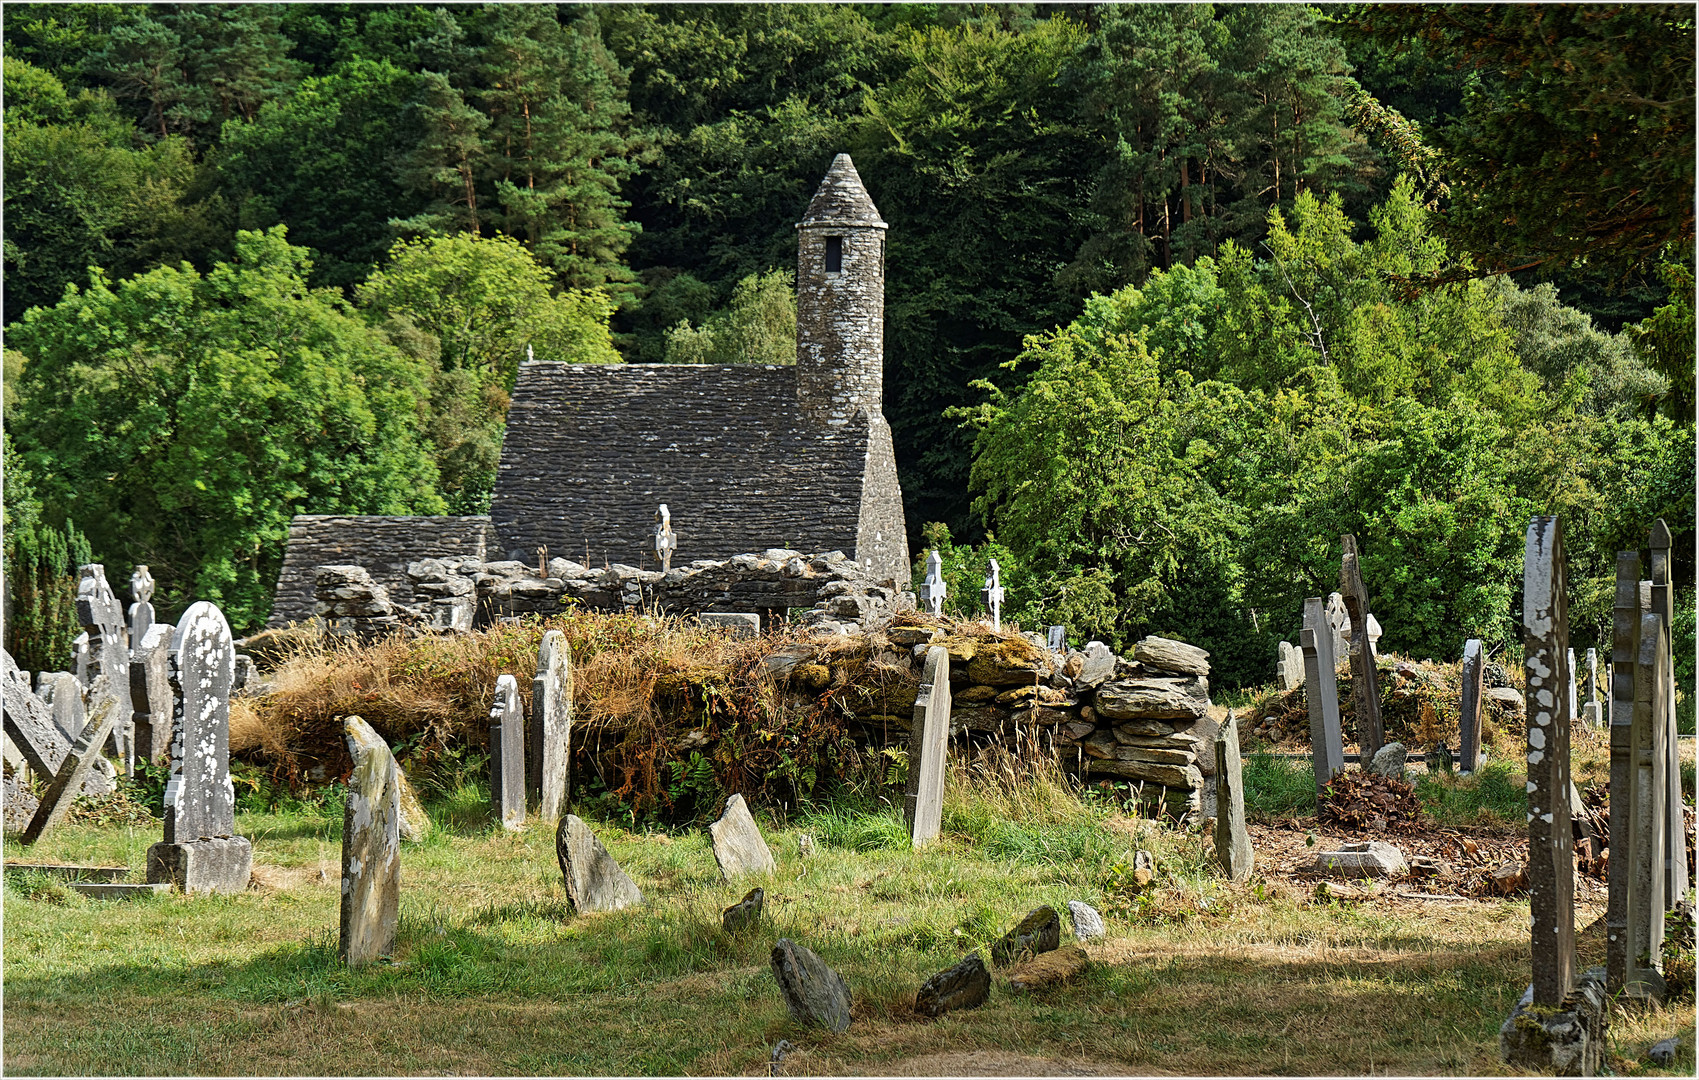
x=507 y=754
x=594 y=881
x=738 y=846
x=1469 y=716
x=929 y=736
x=1390 y=760
x=1290 y=667
x=814 y=993
x=1088 y=924
x=551 y=727
x=371 y=848
x=964 y=986
x=1232 y=840
x=744 y=914
x=1040 y=931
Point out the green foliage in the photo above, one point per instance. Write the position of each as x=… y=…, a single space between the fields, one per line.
x=1279 y=787
x=759 y=326
x=965 y=569
x=41 y=575
x=1494 y=793
x=189 y=417
x=1666 y=339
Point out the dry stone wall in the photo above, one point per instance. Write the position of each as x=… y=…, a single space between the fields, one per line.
x=384 y=546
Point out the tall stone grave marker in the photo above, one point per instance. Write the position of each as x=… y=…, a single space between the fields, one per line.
x=1551 y=858
x=1469 y=719
x=1232 y=840
x=1676 y=870
x=150 y=695
x=1290 y=667
x=141 y=604
x=933 y=589
x=1625 y=652
x=1321 y=693
x=666 y=541
x=1339 y=623
x=507 y=754
x=1648 y=833
x=549 y=761
x=1365 y=681
x=73 y=770
x=992 y=594
x=1592 y=712
x=929 y=737
x=201 y=852
x=371 y=848
x=102 y=618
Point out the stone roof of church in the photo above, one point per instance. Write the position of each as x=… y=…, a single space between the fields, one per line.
x=593 y=449
x=841 y=200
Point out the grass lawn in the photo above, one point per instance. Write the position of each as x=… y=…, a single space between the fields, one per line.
x=495 y=974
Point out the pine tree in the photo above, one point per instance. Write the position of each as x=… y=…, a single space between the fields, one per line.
x=447 y=161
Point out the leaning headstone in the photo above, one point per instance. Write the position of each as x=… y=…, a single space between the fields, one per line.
x=1365 y=680
x=1676 y=870
x=964 y=986
x=1232 y=840
x=507 y=754
x=102 y=618
x=594 y=881
x=1646 y=805
x=1087 y=922
x=1469 y=721
x=150 y=694
x=551 y=726
x=1390 y=760
x=30 y=724
x=200 y=852
x=68 y=782
x=371 y=848
x=738 y=847
x=745 y=914
x=1321 y=692
x=933 y=590
x=1040 y=931
x=992 y=594
x=67 y=702
x=1625 y=652
x=1551 y=858
x=814 y=993
x=929 y=734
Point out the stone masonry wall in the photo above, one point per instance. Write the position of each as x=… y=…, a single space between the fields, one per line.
x=381 y=544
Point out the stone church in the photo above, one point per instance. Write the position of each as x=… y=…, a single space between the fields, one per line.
x=746 y=457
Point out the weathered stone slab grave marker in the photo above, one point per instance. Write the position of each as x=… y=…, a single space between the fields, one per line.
x=42 y=744
x=1232 y=841
x=1321 y=692
x=1289 y=667
x=738 y=846
x=102 y=618
x=201 y=852
x=1676 y=870
x=929 y=736
x=141 y=604
x=151 y=700
x=507 y=754
x=549 y=762
x=371 y=848
x=1557 y=1026
x=1365 y=681
x=594 y=881
x=1469 y=718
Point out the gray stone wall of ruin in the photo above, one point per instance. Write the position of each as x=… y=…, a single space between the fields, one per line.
x=383 y=544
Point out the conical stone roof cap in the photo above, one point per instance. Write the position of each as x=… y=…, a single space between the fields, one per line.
x=841 y=200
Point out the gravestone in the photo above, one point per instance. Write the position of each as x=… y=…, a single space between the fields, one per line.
x=141 y=604
x=967 y=985
x=1551 y=858
x=507 y=754
x=992 y=594
x=1592 y=712
x=81 y=658
x=745 y=914
x=549 y=763
x=151 y=701
x=738 y=846
x=1289 y=668
x=594 y=881
x=1648 y=832
x=73 y=770
x=1574 y=689
x=102 y=618
x=929 y=736
x=1339 y=624
x=30 y=724
x=1469 y=720
x=934 y=590
x=1374 y=635
x=371 y=848
x=1086 y=920
x=65 y=696
x=814 y=993
x=666 y=541
x=201 y=852
x=1321 y=691
x=1058 y=639
x=1232 y=841
x=1365 y=681
x=1040 y=931
x=1625 y=652
x=1676 y=870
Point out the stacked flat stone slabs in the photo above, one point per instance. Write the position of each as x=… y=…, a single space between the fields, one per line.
x=746 y=457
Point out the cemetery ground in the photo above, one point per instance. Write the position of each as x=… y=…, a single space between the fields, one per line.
x=494 y=973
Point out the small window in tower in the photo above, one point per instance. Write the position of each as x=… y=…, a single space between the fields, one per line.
x=834 y=254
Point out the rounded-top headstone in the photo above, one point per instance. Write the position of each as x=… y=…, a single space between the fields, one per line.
x=200 y=800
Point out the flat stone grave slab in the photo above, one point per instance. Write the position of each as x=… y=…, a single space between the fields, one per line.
x=71 y=871
x=1370 y=858
x=105 y=890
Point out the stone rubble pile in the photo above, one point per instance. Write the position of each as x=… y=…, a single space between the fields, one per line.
x=465 y=592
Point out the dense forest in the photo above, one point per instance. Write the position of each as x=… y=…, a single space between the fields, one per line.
x=1177 y=294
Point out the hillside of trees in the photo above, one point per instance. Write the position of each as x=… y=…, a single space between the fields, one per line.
x=1176 y=294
